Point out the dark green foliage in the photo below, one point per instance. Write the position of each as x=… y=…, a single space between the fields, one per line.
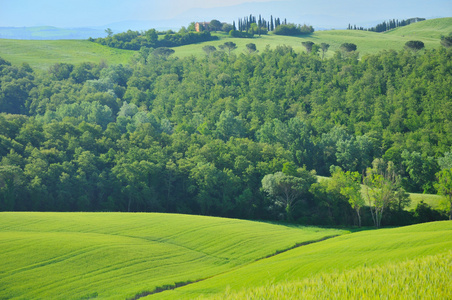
x=414 y=45
x=251 y=47
x=240 y=34
x=11 y=178
x=293 y=30
x=230 y=46
x=348 y=47
x=420 y=170
x=308 y=45
x=209 y=49
x=286 y=191
x=444 y=187
x=446 y=41
x=227 y=27
x=61 y=71
x=198 y=135
x=424 y=213
x=163 y=52
x=387 y=25
x=215 y=25
x=134 y=40
x=253 y=25
x=324 y=47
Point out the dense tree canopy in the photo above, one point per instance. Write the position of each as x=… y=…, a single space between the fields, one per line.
x=198 y=135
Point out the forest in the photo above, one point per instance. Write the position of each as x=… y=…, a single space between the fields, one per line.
x=215 y=135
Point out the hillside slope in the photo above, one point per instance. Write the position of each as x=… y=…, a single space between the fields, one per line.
x=428 y=29
x=367 y=42
x=366 y=248
x=114 y=255
x=422 y=278
x=43 y=54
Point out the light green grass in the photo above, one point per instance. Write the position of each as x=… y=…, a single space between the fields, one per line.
x=43 y=54
x=118 y=255
x=435 y=201
x=428 y=31
x=428 y=277
x=336 y=255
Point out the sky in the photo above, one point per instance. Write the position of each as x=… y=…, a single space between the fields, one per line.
x=91 y=13
x=77 y=13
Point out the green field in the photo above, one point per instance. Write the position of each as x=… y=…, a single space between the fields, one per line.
x=425 y=30
x=42 y=54
x=114 y=255
x=427 y=277
x=120 y=255
x=337 y=255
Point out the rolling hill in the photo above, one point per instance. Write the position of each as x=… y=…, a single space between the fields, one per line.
x=337 y=255
x=367 y=42
x=113 y=255
x=169 y=256
x=42 y=54
x=422 y=278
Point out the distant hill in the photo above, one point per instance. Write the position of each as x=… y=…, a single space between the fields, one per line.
x=368 y=42
x=429 y=29
x=49 y=33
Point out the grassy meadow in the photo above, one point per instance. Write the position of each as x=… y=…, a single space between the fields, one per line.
x=42 y=54
x=371 y=248
x=422 y=278
x=117 y=256
x=120 y=255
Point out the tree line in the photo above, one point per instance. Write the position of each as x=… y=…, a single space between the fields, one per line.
x=235 y=135
x=385 y=26
x=135 y=40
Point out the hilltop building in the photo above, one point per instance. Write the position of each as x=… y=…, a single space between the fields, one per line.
x=201 y=26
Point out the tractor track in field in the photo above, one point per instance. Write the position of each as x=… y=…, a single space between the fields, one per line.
x=170 y=287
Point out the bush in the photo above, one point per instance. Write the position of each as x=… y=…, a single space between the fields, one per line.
x=425 y=213
x=240 y=34
x=414 y=45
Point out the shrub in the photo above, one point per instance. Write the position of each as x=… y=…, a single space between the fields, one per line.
x=240 y=34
